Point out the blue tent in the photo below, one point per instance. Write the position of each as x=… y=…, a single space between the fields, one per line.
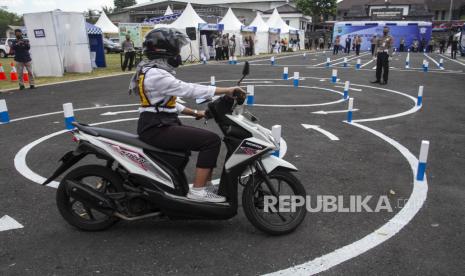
x=96 y=44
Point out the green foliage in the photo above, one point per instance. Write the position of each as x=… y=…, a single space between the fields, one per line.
x=119 y=4
x=317 y=8
x=8 y=18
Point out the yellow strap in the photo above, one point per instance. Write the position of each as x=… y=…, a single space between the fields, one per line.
x=143 y=98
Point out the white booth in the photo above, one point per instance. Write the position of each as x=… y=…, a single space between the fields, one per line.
x=59 y=43
x=262 y=42
x=232 y=26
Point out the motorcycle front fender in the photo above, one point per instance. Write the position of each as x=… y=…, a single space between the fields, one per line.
x=271 y=162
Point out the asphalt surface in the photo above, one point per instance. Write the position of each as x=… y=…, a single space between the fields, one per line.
x=358 y=164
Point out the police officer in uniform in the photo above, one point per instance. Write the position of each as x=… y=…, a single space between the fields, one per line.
x=383 y=51
x=159 y=125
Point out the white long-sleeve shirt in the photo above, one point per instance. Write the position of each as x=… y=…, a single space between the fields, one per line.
x=161 y=85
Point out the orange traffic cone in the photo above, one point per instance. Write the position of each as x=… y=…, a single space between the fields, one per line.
x=2 y=73
x=13 y=74
x=25 y=75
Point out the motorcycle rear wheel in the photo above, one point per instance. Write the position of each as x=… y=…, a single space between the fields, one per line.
x=100 y=178
x=274 y=223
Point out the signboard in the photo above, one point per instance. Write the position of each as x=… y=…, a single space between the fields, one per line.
x=38 y=33
x=274 y=30
x=136 y=32
x=366 y=30
x=210 y=27
x=387 y=14
x=252 y=29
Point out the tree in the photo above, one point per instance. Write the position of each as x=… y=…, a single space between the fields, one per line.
x=107 y=9
x=317 y=8
x=120 y=4
x=9 y=18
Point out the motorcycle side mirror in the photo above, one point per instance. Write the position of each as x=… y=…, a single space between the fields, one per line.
x=246 y=69
x=245 y=72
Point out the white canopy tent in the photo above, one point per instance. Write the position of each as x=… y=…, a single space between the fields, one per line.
x=189 y=19
x=106 y=25
x=262 y=35
x=232 y=26
x=275 y=21
x=168 y=11
x=59 y=42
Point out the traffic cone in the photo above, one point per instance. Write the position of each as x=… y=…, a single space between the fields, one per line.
x=25 y=75
x=13 y=73
x=2 y=73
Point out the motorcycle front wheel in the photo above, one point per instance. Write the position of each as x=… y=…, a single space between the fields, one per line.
x=271 y=220
x=99 y=178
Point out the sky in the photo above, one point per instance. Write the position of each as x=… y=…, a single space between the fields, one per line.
x=26 y=6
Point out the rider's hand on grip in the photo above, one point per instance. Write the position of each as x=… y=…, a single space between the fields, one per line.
x=239 y=94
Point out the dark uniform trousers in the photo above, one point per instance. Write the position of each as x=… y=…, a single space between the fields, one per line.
x=382 y=64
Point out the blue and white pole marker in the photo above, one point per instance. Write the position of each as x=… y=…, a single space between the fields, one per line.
x=346 y=90
x=334 y=76
x=422 y=160
x=250 y=94
x=230 y=60
x=420 y=96
x=272 y=59
x=425 y=69
x=234 y=60
x=69 y=115
x=350 y=109
x=359 y=62
x=212 y=80
x=4 y=117
x=204 y=60
x=328 y=62
x=407 y=61
x=345 y=62
x=305 y=55
x=424 y=63
x=441 y=63
x=276 y=133
x=285 y=73
x=296 y=79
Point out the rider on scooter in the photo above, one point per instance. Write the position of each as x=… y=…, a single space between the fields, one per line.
x=158 y=124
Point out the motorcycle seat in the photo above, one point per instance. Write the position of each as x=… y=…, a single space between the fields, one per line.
x=126 y=138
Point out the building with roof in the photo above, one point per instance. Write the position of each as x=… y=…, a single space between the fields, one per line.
x=212 y=11
x=419 y=10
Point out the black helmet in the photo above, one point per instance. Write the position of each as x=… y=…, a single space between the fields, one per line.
x=164 y=43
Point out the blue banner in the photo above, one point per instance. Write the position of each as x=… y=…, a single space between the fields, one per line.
x=252 y=29
x=210 y=27
x=398 y=30
x=274 y=30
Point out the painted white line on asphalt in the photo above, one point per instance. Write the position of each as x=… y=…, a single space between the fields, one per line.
x=354 y=89
x=365 y=64
x=77 y=109
x=349 y=59
x=110 y=113
x=382 y=234
x=436 y=62
x=332 y=60
x=328 y=134
x=454 y=60
x=322 y=112
x=9 y=223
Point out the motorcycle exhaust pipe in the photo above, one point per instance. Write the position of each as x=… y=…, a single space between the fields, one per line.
x=90 y=197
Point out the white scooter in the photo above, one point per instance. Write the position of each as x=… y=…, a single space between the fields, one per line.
x=141 y=181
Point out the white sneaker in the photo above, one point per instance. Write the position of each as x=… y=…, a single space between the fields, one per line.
x=212 y=188
x=204 y=194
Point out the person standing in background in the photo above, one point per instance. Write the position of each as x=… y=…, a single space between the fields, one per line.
x=337 y=42
x=454 y=47
x=129 y=53
x=23 y=59
x=225 y=43
x=373 y=45
x=348 y=43
x=218 y=48
x=402 y=44
x=232 y=46
x=431 y=45
x=358 y=44
x=321 y=43
x=251 y=46
x=246 y=46
x=442 y=46
x=383 y=52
